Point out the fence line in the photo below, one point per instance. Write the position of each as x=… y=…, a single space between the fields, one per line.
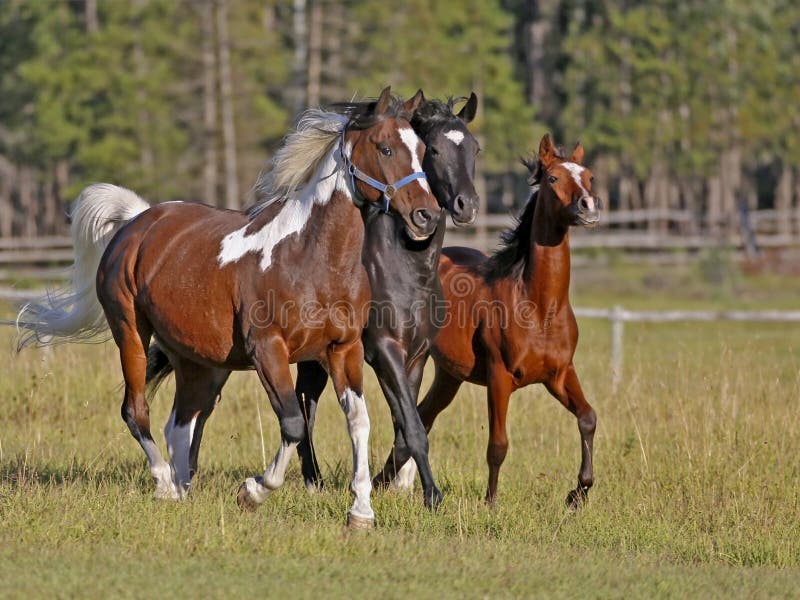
x=619 y=316
x=649 y=230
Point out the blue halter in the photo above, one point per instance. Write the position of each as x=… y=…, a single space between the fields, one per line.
x=388 y=190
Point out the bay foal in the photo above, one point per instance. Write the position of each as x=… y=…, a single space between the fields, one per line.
x=510 y=323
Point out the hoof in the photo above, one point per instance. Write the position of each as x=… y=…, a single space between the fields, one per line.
x=244 y=500
x=167 y=493
x=314 y=486
x=433 y=500
x=577 y=497
x=380 y=482
x=356 y=523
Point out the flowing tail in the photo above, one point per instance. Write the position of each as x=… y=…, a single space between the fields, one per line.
x=73 y=313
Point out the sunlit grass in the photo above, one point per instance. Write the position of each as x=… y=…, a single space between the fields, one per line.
x=696 y=491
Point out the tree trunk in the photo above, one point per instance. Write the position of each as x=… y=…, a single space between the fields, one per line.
x=62 y=183
x=27 y=201
x=144 y=126
x=333 y=78
x=210 y=166
x=314 y=55
x=90 y=16
x=226 y=89
x=7 y=178
x=783 y=200
x=657 y=194
x=601 y=183
x=300 y=35
x=714 y=206
x=538 y=29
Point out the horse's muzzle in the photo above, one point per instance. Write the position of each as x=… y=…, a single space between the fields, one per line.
x=464 y=210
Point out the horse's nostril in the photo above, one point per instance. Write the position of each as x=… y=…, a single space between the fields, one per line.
x=421 y=217
x=458 y=204
x=583 y=203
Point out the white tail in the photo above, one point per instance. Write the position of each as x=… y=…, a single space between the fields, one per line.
x=73 y=313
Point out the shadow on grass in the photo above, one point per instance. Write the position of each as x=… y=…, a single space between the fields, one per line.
x=20 y=472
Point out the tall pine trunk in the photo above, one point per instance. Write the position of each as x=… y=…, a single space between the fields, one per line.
x=314 y=84
x=210 y=166
x=226 y=93
x=300 y=35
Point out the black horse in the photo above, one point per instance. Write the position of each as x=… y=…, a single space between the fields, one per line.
x=407 y=300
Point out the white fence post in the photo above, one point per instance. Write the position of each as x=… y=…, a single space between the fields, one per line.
x=617 y=349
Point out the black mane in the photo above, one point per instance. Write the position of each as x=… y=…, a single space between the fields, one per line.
x=511 y=258
x=362 y=114
x=432 y=113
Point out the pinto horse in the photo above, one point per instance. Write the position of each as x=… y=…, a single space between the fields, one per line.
x=226 y=290
x=532 y=338
x=406 y=291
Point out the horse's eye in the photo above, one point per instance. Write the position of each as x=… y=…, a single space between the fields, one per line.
x=591 y=179
x=386 y=151
x=433 y=151
x=552 y=178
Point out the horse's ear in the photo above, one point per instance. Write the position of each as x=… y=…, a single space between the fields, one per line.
x=467 y=113
x=577 y=154
x=411 y=105
x=384 y=101
x=547 y=151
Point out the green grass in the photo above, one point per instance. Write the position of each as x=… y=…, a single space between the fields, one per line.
x=696 y=465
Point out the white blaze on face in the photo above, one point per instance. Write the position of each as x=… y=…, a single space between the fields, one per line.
x=576 y=171
x=455 y=136
x=411 y=141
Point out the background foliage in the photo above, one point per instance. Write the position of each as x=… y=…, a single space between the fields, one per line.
x=680 y=104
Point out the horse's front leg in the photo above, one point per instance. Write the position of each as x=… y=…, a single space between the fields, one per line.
x=393 y=378
x=570 y=394
x=271 y=361
x=345 y=364
x=499 y=388
x=311 y=380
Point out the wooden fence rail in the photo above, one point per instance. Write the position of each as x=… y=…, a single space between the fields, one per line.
x=619 y=316
x=46 y=258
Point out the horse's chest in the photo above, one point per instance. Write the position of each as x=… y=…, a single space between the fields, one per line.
x=536 y=354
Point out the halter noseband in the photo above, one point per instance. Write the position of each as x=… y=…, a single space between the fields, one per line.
x=388 y=190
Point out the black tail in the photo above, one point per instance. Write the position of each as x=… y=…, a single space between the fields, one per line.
x=158 y=369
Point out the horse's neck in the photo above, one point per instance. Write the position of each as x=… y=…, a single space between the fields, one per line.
x=388 y=250
x=547 y=273
x=331 y=231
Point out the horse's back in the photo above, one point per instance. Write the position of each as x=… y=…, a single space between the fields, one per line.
x=461 y=256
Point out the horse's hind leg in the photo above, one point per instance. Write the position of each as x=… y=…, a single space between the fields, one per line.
x=345 y=365
x=196 y=391
x=570 y=394
x=271 y=361
x=132 y=335
x=311 y=381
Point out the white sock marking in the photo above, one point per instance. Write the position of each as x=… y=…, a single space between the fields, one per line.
x=411 y=141
x=406 y=476
x=259 y=488
x=291 y=219
x=179 y=442
x=355 y=411
x=455 y=136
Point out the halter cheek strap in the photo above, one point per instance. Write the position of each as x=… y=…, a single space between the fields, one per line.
x=387 y=189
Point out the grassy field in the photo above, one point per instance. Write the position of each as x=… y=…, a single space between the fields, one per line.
x=697 y=467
